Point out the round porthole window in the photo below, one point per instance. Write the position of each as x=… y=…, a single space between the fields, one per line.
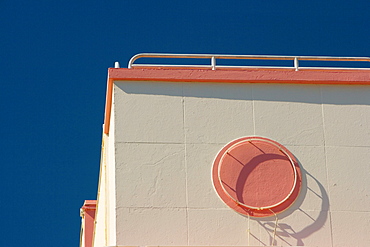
x=256 y=176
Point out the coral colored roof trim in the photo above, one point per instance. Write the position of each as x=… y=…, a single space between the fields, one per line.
x=89 y=205
x=88 y=217
x=338 y=77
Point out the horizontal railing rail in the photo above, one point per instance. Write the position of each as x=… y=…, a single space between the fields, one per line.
x=214 y=57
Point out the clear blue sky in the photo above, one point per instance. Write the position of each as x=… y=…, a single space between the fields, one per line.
x=54 y=57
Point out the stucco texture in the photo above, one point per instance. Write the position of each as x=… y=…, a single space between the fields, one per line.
x=168 y=134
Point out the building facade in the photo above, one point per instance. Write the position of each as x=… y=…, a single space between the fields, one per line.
x=169 y=171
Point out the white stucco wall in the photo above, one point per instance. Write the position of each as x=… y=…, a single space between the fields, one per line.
x=99 y=237
x=111 y=185
x=166 y=136
x=105 y=217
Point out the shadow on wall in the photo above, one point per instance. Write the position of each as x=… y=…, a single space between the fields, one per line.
x=314 y=94
x=285 y=231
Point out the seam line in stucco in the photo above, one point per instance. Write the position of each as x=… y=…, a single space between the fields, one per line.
x=222 y=143
x=178 y=143
x=228 y=209
x=186 y=170
x=253 y=113
x=326 y=162
x=175 y=208
x=350 y=211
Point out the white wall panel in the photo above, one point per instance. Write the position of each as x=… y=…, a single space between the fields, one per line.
x=149 y=112
x=199 y=160
x=150 y=175
x=349 y=173
x=157 y=226
x=350 y=228
x=217 y=113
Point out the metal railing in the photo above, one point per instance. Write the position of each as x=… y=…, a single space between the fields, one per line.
x=214 y=57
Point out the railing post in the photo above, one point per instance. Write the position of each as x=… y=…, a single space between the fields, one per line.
x=213 y=63
x=296 y=63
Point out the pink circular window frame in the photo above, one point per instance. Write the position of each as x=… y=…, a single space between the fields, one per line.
x=222 y=162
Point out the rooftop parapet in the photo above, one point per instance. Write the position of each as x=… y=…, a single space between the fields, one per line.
x=218 y=61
